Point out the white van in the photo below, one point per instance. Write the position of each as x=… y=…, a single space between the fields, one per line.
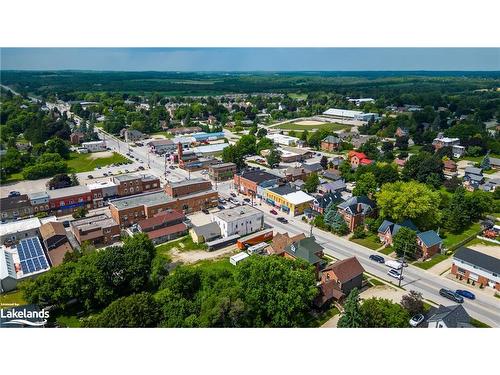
x=394 y=264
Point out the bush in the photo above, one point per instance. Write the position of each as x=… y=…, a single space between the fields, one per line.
x=359 y=232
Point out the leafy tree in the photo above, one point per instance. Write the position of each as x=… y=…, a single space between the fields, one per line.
x=261 y=133
x=264 y=144
x=366 y=185
x=58 y=146
x=478 y=203
x=346 y=170
x=359 y=232
x=304 y=136
x=135 y=311
x=246 y=145
x=324 y=162
x=265 y=287
x=457 y=215
x=80 y=212
x=409 y=200
x=382 y=313
x=274 y=157
x=402 y=143
x=352 y=316
x=59 y=181
x=311 y=183
x=405 y=243
x=233 y=154
x=419 y=167
x=452 y=184
x=370 y=149
x=485 y=163
x=413 y=303
x=74 y=180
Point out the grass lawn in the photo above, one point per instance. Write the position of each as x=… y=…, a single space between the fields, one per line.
x=68 y=321
x=15 y=177
x=326 y=125
x=182 y=244
x=414 y=149
x=478 y=159
x=220 y=264
x=297 y=96
x=13 y=298
x=85 y=163
x=451 y=239
x=478 y=324
x=431 y=263
x=478 y=241
x=321 y=318
x=387 y=250
x=370 y=241
x=491 y=171
x=375 y=282
x=166 y=134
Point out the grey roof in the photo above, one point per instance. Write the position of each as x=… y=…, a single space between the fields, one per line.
x=385 y=224
x=186 y=182
x=351 y=205
x=495 y=161
x=258 y=176
x=38 y=195
x=394 y=228
x=473 y=170
x=306 y=249
x=130 y=177
x=298 y=183
x=323 y=201
x=486 y=262
x=331 y=175
x=208 y=231
x=429 y=238
x=314 y=167
x=237 y=213
x=222 y=165
x=453 y=316
x=148 y=199
x=475 y=177
x=334 y=185
x=69 y=191
x=283 y=189
x=331 y=139
x=10 y=203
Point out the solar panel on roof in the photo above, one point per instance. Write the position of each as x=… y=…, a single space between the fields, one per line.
x=31 y=266
x=21 y=253
x=43 y=262
x=24 y=267
x=32 y=255
x=37 y=264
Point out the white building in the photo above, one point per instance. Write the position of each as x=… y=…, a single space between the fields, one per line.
x=235 y=259
x=282 y=139
x=95 y=146
x=14 y=231
x=351 y=115
x=360 y=101
x=241 y=220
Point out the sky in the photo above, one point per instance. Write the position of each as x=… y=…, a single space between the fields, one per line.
x=250 y=59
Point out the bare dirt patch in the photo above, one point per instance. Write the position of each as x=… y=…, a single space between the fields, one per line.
x=309 y=122
x=101 y=155
x=194 y=256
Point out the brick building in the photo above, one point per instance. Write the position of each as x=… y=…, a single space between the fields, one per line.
x=15 y=207
x=477 y=267
x=65 y=201
x=222 y=172
x=136 y=184
x=164 y=226
x=331 y=143
x=355 y=210
x=248 y=182
x=98 y=229
x=186 y=187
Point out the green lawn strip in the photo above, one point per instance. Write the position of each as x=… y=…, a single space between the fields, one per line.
x=219 y=264
x=490 y=171
x=387 y=250
x=13 y=298
x=317 y=320
x=432 y=262
x=478 y=324
x=85 y=163
x=451 y=240
x=330 y=126
x=478 y=159
x=479 y=241
x=375 y=282
x=15 y=177
x=182 y=244
x=370 y=242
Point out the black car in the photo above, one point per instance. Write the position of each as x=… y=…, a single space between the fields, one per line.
x=450 y=294
x=233 y=195
x=377 y=258
x=221 y=207
x=14 y=194
x=205 y=211
x=246 y=199
x=282 y=220
x=66 y=224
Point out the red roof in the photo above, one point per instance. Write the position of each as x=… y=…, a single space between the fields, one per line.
x=360 y=155
x=161 y=218
x=166 y=231
x=365 y=161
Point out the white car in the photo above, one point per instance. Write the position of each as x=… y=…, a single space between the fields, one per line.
x=395 y=274
x=416 y=320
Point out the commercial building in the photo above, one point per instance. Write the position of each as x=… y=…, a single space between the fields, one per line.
x=136 y=184
x=350 y=115
x=130 y=210
x=241 y=220
x=222 y=172
x=67 y=200
x=164 y=226
x=204 y=137
x=15 y=231
x=360 y=101
x=288 y=199
x=39 y=201
x=102 y=190
x=162 y=146
x=281 y=139
x=478 y=268
x=131 y=135
x=25 y=260
x=210 y=150
x=293 y=154
x=440 y=142
x=184 y=130
x=15 y=207
x=56 y=242
x=98 y=229
x=94 y=146
x=248 y=182
x=186 y=187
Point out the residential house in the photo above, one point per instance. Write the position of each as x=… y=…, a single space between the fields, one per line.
x=441 y=142
x=76 y=138
x=448 y=317
x=306 y=249
x=313 y=168
x=333 y=186
x=355 y=210
x=282 y=240
x=295 y=173
x=388 y=230
x=450 y=167
x=332 y=174
x=322 y=201
x=490 y=185
x=495 y=163
x=358 y=158
x=402 y=132
x=331 y=143
x=131 y=135
x=482 y=268
x=473 y=178
x=458 y=151
x=205 y=233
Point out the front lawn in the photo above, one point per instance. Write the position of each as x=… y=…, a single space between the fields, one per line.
x=387 y=250
x=13 y=298
x=478 y=324
x=451 y=240
x=432 y=262
x=86 y=162
x=371 y=241
x=317 y=320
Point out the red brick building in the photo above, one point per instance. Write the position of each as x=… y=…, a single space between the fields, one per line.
x=66 y=200
x=247 y=182
x=182 y=188
x=136 y=184
x=355 y=210
x=331 y=143
x=98 y=229
x=478 y=268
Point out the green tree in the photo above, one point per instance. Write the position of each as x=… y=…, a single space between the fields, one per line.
x=58 y=146
x=311 y=183
x=413 y=303
x=274 y=157
x=405 y=243
x=324 y=162
x=261 y=133
x=366 y=185
x=233 y=154
x=409 y=200
x=419 y=167
x=457 y=215
x=352 y=316
x=265 y=284
x=382 y=313
x=135 y=311
x=80 y=212
x=485 y=163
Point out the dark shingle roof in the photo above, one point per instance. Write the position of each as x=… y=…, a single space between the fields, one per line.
x=346 y=269
x=331 y=139
x=258 y=176
x=473 y=170
x=284 y=189
x=324 y=200
x=306 y=249
x=351 y=205
x=486 y=262
x=315 y=167
x=18 y=201
x=453 y=316
x=429 y=238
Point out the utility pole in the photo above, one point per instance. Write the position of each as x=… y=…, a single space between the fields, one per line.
x=402 y=265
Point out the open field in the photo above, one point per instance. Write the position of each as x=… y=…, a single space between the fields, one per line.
x=309 y=122
x=325 y=125
x=88 y=162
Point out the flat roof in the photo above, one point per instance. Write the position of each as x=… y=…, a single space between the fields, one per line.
x=68 y=192
x=342 y=112
x=222 y=165
x=93 y=143
x=240 y=256
x=97 y=221
x=298 y=197
x=238 y=212
x=101 y=184
x=211 y=148
x=19 y=226
x=186 y=182
x=148 y=199
x=258 y=176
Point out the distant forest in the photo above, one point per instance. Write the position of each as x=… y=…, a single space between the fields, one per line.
x=72 y=85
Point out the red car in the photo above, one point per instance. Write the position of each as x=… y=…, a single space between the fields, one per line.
x=273 y=212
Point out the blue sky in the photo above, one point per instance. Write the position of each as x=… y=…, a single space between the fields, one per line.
x=250 y=59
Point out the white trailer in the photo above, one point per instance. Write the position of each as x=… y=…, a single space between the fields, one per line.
x=235 y=259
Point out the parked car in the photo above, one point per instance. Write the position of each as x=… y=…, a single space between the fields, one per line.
x=66 y=224
x=377 y=258
x=282 y=220
x=246 y=199
x=205 y=211
x=141 y=167
x=394 y=273
x=233 y=195
x=105 y=174
x=221 y=207
x=273 y=212
x=172 y=167
x=450 y=294
x=126 y=171
x=416 y=320
x=90 y=177
x=14 y=194
x=465 y=293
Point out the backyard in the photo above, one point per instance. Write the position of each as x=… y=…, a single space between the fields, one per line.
x=10 y=299
x=88 y=162
x=452 y=240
